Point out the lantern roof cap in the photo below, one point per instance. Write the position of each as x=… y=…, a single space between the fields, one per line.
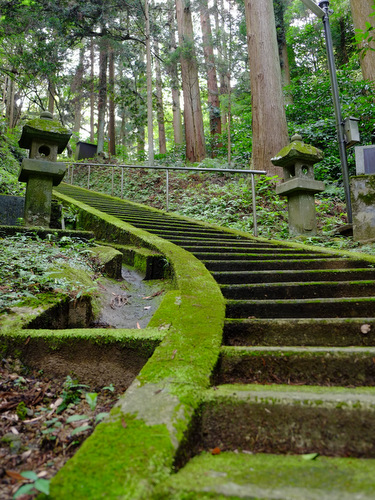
x=46 y=129
x=297 y=150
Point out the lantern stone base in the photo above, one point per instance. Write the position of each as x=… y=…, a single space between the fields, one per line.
x=362 y=189
x=301 y=204
x=40 y=177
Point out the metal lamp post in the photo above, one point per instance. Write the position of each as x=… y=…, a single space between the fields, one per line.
x=322 y=11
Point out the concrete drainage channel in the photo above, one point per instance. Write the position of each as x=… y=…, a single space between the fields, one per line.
x=276 y=400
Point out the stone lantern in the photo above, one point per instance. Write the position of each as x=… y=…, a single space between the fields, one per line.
x=297 y=160
x=45 y=138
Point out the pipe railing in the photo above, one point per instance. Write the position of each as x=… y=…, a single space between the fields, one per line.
x=70 y=175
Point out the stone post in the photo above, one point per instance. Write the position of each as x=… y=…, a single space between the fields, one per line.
x=45 y=138
x=297 y=160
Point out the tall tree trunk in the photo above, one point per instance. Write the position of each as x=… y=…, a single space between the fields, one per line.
x=159 y=102
x=11 y=90
x=92 y=92
x=223 y=66
x=112 y=107
x=150 y=119
x=77 y=91
x=212 y=87
x=173 y=74
x=361 y=10
x=229 y=152
x=51 y=96
x=194 y=132
x=270 y=133
x=141 y=142
x=102 y=94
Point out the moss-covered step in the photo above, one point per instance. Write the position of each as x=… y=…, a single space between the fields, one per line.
x=218 y=245
x=43 y=233
x=97 y=357
x=48 y=311
x=199 y=232
x=223 y=255
x=148 y=262
x=302 y=308
x=241 y=474
x=244 y=247
x=341 y=366
x=280 y=264
x=275 y=291
x=305 y=332
x=288 y=419
x=276 y=276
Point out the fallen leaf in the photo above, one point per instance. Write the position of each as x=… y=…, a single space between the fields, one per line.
x=15 y=475
x=56 y=404
x=216 y=451
x=174 y=354
x=365 y=328
x=26 y=454
x=27 y=340
x=124 y=424
x=138 y=326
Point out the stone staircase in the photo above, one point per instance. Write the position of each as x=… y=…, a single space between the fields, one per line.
x=295 y=378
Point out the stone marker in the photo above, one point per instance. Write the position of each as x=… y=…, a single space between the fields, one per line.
x=362 y=192
x=297 y=160
x=45 y=138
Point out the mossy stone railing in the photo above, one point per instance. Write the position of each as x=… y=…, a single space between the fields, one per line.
x=135 y=449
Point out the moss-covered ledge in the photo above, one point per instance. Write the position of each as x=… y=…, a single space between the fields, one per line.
x=97 y=356
x=135 y=448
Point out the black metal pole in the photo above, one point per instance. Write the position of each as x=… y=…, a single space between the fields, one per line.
x=336 y=104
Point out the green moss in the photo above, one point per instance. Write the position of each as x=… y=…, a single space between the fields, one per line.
x=47 y=126
x=144 y=456
x=236 y=475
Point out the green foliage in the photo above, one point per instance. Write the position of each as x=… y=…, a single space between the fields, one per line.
x=364 y=38
x=10 y=157
x=311 y=115
x=35 y=484
x=71 y=393
x=26 y=263
x=21 y=410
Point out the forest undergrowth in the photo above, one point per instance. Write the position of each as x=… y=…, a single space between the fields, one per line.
x=226 y=199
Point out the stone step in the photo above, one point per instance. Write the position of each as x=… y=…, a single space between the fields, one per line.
x=210 y=256
x=305 y=332
x=242 y=248
x=302 y=308
x=289 y=419
x=282 y=276
x=199 y=232
x=213 y=242
x=242 y=474
x=332 y=366
x=280 y=264
x=323 y=289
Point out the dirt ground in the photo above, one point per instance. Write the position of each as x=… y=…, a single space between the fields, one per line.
x=42 y=424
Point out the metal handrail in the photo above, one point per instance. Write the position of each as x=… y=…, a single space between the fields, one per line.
x=167 y=169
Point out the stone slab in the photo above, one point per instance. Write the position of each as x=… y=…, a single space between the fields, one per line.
x=31 y=167
x=11 y=209
x=300 y=184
